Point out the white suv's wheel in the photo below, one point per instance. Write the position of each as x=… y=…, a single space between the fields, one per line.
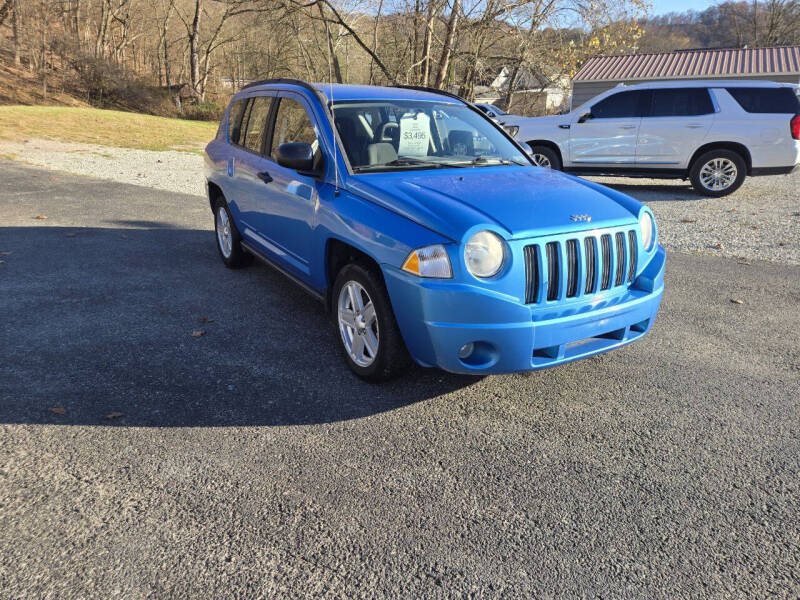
x=545 y=157
x=718 y=173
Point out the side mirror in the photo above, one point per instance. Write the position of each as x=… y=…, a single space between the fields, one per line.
x=585 y=117
x=296 y=155
x=526 y=147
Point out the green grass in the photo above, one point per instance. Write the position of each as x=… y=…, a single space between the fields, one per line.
x=103 y=127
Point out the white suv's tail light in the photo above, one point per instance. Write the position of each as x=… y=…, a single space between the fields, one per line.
x=794 y=124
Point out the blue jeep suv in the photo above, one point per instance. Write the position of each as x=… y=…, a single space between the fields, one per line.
x=427 y=232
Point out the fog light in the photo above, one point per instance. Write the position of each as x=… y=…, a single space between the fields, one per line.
x=466 y=350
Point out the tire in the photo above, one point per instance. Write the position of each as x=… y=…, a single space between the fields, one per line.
x=228 y=238
x=545 y=156
x=718 y=173
x=359 y=332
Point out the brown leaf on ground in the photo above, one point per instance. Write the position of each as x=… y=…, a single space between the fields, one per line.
x=58 y=410
x=113 y=415
x=719 y=246
x=205 y=319
x=734 y=210
x=198 y=333
x=40 y=217
x=736 y=301
x=754 y=227
x=688 y=220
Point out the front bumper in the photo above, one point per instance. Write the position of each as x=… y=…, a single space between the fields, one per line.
x=437 y=318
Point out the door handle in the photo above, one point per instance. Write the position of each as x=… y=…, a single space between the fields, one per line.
x=564 y=126
x=264 y=176
x=694 y=125
x=627 y=126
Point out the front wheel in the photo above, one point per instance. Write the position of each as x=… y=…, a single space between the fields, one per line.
x=718 y=173
x=544 y=156
x=372 y=344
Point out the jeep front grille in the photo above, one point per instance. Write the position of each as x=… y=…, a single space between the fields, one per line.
x=576 y=266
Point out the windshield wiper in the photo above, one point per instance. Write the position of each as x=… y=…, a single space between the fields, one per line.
x=401 y=161
x=484 y=160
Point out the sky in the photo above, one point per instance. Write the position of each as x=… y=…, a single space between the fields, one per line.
x=661 y=7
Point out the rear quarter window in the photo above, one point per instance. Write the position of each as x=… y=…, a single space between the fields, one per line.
x=235 y=121
x=766 y=100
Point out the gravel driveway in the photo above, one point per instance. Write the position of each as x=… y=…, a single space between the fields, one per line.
x=138 y=461
x=760 y=221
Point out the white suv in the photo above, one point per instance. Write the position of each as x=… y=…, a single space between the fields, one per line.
x=711 y=132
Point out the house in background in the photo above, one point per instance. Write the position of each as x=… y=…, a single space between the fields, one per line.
x=601 y=73
x=535 y=93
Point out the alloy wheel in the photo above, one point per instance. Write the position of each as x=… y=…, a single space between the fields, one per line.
x=358 y=324
x=540 y=160
x=224 y=234
x=718 y=174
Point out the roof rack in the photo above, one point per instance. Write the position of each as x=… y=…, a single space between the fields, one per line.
x=289 y=80
x=422 y=88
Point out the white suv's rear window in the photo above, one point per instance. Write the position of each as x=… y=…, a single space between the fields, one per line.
x=766 y=100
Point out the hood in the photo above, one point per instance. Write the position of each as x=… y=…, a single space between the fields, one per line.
x=519 y=201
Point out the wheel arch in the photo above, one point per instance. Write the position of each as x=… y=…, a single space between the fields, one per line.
x=214 y=194
x=338 y=254
x=737 y=147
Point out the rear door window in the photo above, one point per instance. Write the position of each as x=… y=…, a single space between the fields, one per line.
x=766 y=100
x=235 y=120
x=257 y=123
x=623 y=105
x=680 y=102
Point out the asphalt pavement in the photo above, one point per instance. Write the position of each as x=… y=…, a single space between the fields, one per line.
x=140 y=461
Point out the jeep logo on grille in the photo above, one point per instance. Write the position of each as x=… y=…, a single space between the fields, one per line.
x=578 y=218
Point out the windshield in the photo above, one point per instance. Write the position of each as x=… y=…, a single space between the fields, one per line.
x=388 y=135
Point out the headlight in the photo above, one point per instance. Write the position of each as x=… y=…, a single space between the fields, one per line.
x=511 y=130
x=484 y=254
x=648 y=230
x=430 y=261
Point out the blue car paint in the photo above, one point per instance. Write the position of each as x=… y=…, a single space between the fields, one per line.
x=388 y=214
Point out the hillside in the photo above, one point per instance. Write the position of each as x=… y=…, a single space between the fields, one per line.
x=18 y=85
x=108 y=127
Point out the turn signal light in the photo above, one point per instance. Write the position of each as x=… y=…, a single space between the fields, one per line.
x=430 y=261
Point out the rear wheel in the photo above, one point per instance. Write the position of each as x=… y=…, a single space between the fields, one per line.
x=228 y=238
x=545 y=156
x=372 y=344
x=718 y=173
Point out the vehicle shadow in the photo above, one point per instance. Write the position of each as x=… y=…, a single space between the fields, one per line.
x=146 y=327
x=648 y=192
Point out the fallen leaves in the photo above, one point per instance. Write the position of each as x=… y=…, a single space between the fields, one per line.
x=113 y=415
x=719 y=246
x=58 y=410
x=688 y=220
x=198 y=333
x=736 y=301
x=40 y=217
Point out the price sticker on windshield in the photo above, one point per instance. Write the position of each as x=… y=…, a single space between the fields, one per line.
x=415 y=135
